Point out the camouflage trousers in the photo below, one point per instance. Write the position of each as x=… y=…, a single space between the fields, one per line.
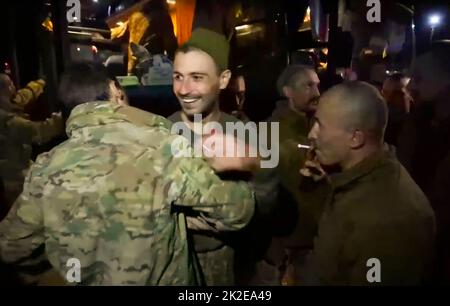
x=218 y=266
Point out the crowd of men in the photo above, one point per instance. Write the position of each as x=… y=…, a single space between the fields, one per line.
x=363 y=175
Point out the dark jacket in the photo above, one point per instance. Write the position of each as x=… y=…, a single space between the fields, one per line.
x=375 y=211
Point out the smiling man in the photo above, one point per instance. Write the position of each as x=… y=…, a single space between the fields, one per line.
x=200 y=73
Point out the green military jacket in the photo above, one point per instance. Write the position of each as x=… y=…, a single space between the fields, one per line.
x=17 y=135
x=301 y=200
x=375 y=211
x=115 y=197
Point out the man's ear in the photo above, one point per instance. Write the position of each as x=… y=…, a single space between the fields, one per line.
x=116 y=95
x=358 y=139
x=225 y=77
x=287 y=92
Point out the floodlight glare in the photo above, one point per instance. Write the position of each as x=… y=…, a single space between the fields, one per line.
x=434 y=20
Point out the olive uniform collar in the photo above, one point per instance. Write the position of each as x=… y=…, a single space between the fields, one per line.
x=343 y=179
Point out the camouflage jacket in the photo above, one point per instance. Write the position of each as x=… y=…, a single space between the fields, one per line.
x=114 y=197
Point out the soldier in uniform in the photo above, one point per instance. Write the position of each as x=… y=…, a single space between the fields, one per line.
x=200 y=73
x=15 y=100
x=301 y=200
x=116 y=194
x=17 y=133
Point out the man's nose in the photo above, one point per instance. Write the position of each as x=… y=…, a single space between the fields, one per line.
x=316 y=91
x=312 y=135
x=184 y=87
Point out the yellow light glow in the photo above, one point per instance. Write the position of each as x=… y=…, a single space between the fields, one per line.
x=308 y=15
x=242 y=27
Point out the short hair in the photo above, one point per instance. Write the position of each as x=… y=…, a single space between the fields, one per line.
x=290 y=76
x=364 y=106
x=188 y=48
x=82 y=83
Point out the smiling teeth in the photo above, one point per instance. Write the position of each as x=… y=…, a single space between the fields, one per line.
x=189 y=101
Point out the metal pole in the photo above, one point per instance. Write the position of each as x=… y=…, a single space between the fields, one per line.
x=286 y=35
x=431 y=34
x=414 y=51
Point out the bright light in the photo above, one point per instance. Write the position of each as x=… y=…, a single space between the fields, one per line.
x=242 y=27
x=172 y=2
x=95 y=1
x=413 y=26
x=434 y=20
x=308 y=15
x=120 y=23
x=78 y=49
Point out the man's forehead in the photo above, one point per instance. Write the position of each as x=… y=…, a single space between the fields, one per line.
x=313 y=75
x=309 y=76
x=323 y=105
x=195 y=61
x=330 y=102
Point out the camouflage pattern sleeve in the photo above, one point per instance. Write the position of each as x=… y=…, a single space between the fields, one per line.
x=22 y=231
x=224 y=205
x=41 y=131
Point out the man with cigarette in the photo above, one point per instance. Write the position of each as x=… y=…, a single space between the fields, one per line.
x=375 y=212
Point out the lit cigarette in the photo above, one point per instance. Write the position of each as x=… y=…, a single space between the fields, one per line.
x=207 y=149
x=301 y=146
